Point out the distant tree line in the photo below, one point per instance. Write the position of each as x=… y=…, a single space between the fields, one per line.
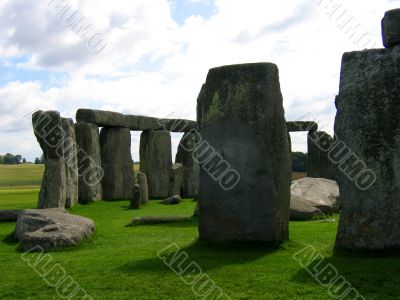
x=11 y=159
x=299 y=162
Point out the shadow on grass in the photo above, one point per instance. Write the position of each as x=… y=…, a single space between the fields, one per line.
x=371 y=273
x=207 y=255
x=10 y=240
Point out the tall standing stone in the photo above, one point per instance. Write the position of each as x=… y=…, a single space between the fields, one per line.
x=71 y=162
x=245 y=155
x=368 y=126
x=186 y=156
x=156 y=161
x=318 y=164
x=175 y=180
x=49 y=132
x=391 y=28
x=117 y=163
x=144 y=189
x=89 y=162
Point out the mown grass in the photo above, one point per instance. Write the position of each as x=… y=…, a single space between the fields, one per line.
x=121 y=262
x=21 y=175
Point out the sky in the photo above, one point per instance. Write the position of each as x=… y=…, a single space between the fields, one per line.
x=150 y=57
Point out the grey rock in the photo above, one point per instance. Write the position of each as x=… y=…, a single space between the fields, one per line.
x=133 y=122
x=49 y=229
x=302 y=211
x=9 y=215
x=136 y=200
x=175 y=179
x=196 y=211
x=320 y=193
x=117 y=163
x=71 y=162
x=89 y=162
x=319 y=164
x=391 y=28
x=156 y=161
x=176 y=199
x=368 y=124
x=141 y=179
x=245 y=183
x=186 y=155
x=50 y=135
x=296 y=126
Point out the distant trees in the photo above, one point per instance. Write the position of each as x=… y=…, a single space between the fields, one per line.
x=299 y=162
x=40 y=160
x=11 y=159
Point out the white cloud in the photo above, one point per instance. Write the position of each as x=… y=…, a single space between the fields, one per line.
x=154 y=66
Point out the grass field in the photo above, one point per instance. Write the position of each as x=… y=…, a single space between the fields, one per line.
x=121 y=262
x=21 y=175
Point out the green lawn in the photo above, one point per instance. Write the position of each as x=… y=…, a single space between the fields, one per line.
x=121 y=262
x=21 y=175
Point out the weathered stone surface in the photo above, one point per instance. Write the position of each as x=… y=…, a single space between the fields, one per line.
x=186 y=155
x=240 y=115
x=136 y=200
x=296 y=126
x=71 y=162
x=176 y=199
x=89 y=162
x=49 y=229
x=391 y=28
x=301 y=211
x=9 y=215
x=156 y=161
x=141 y=179
x=50 y=135
x=317 y=192
x=133 y=122
x=175 y=179
x=318 y=164
x=368 y=126
x=117 y=163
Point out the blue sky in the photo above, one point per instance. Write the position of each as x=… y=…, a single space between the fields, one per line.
x=158 y=53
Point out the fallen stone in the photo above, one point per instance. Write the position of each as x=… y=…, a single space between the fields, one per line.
x=117 y=164
x=9 y=215
x=320 y=193
x=302 y=210
x=245 y=156
x=49 y=229
x=368 y=125
x=391 y=28
x=158 y=220
x=89 y=162
x=186 y=155
x=175 y=179
x=135 y=201
x=156 y=161
x=172 y=200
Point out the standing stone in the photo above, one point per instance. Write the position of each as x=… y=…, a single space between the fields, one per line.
x=117 y=163
x=391 y=28
x=245 y=156
x=50 y=135
x=368 y=127
x=318 y=163
x=89 y=162
x=144 y=189
x=175 y=180
x=186 y=156
x=136 y=200
x=156 y=161
x=71 y=162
